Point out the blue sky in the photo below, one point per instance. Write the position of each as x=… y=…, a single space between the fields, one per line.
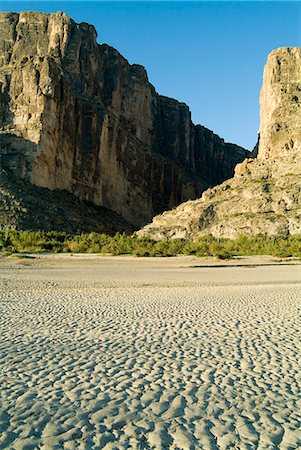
x=209 y=55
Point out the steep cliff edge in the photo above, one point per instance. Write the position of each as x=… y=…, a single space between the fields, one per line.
x=264 y=197
x=76 y=116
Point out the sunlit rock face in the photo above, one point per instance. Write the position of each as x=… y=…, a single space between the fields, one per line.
x=264 y=196
x=75 y=115
x=280 y=101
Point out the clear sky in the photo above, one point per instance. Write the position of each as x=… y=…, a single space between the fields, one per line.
x=209 y=55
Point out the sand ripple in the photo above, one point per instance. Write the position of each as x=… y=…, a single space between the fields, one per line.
x=149 y=367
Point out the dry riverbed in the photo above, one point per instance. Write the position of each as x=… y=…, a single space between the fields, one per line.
x=154 y=353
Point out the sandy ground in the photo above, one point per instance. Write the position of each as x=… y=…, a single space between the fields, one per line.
x=128 y=353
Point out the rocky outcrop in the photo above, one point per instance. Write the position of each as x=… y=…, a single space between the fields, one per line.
x=76 y=116
x=264 y=197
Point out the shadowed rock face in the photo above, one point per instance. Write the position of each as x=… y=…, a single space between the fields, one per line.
x=264 y=197
x=24 y=206
x=75 y=115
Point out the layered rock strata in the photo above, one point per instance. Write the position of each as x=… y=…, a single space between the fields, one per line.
x=264 y=197
x=76 y=116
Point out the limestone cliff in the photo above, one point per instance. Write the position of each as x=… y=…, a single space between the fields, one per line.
x=76 y=116
x=264 y=197
x=280 y=104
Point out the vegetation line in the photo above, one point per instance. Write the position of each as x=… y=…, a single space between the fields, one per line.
x=12 y=241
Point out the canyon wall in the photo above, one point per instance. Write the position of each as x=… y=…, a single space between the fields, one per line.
x=280 y=101
x=264 y=196
x=76 y=116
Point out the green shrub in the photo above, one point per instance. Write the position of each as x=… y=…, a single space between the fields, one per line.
x=120 y=244
x=6 y=244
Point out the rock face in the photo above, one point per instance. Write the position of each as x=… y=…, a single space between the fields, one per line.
x=264 y=197
x=76 y=116
x=280 y=103
x=24 y=206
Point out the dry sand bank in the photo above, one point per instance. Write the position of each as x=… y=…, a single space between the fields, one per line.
x=149 y=353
